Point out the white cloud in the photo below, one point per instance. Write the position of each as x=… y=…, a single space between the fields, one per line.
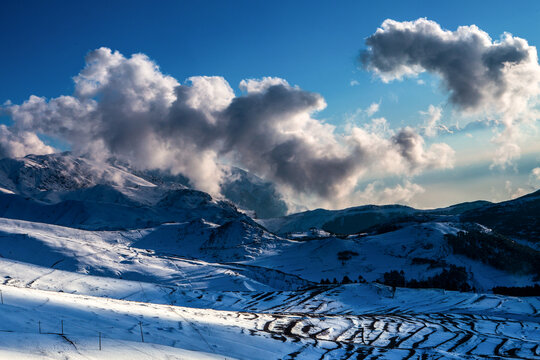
x=536 y=173
x=433 y=117
x=514 y=192
x=125 y=107
x=432 y=125
x=498 y=79
x=378 y=126
x=505 y=154
x=534 y=178
x=20 y=144
x=376 y=192
x=260 y=85
x=372 y=109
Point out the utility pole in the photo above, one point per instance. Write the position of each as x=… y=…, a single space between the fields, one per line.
x=142 y=336
x=39 y=326
x=100 y=340
x=62 y=324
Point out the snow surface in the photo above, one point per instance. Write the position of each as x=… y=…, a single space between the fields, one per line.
x=259 y=313
x=100 y=248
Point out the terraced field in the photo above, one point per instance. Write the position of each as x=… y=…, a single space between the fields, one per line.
x=418 y=326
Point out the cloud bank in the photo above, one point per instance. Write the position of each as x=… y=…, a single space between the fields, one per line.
x=498 y=78
x=17 y=144
x=127 y=108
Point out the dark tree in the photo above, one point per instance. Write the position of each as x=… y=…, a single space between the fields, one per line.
x=518 y=291
x=394 y=278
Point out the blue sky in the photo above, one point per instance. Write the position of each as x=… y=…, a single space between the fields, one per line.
x=312 y=44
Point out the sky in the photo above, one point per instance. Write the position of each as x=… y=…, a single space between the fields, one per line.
x=307 y=94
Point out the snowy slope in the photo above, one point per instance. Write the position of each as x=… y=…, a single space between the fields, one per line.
x=103 y=208
x=155 y=254
x=252 y=335
x=518 y=218
x=420 y=250
x=326 y=322
x=109 y=254
x=63 y=176
x=61 y=172
x=65 y=190
x=103 y=247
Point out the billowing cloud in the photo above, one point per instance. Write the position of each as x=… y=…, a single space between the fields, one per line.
x=377 y=192
x=411 y=147
x=127 y=108
x=499 y=78
x=401 y=193
x=474 y=69
x=18 y=144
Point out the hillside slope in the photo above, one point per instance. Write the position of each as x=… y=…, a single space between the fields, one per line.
x=101 y=248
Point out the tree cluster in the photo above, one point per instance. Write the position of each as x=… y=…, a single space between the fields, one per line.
x=496 y=250
x=453 y=278
x=533 y=290
x=345 y=280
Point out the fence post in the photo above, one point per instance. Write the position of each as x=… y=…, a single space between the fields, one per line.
x=142 y=336
x=100 y=340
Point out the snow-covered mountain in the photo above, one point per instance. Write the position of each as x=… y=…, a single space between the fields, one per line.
x=515 y=218
x=66 y=190
x=63 y=176
x=348 y=221
x=253 y=193
x=34 y=175
x=364 y=242
x=132 y=254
